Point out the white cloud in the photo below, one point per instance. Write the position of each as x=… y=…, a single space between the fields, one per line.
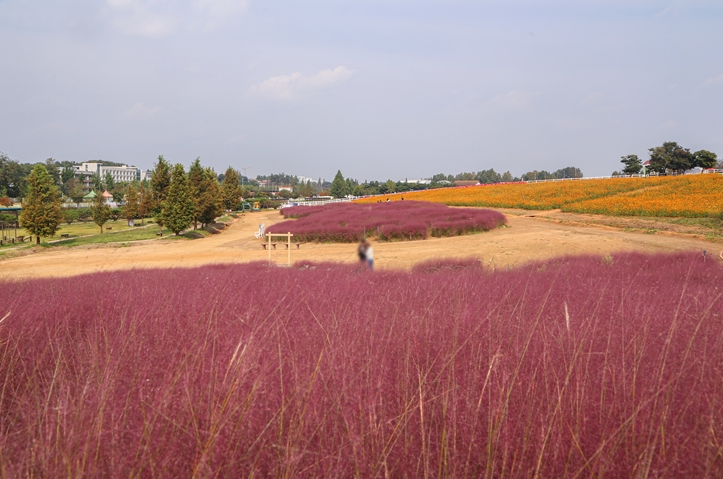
x=670 y=124
x=514 y=100
x=156 y=18
x=286 y=87
x=139 y=17
x=140 y=111
x=664 y=11
x=214 y=13
x=713 y=80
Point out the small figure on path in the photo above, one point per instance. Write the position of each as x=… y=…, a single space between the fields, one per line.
x=369 y=255
x=362 y=252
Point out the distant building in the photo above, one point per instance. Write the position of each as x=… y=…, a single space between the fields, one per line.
x=466 y=183
x=120 y=174
x=286 y=188
x=418 y=182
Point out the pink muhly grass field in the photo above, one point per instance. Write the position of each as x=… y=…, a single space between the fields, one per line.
x=576 y=367
x=398 y=220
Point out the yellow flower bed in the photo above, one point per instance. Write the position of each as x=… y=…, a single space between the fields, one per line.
x=531 y=196
x=694 y=195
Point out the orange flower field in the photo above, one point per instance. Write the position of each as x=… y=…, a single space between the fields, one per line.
x=693 y=195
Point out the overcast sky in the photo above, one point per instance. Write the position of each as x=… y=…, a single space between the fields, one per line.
x=379 y=89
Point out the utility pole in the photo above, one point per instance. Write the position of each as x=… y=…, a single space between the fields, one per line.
x=245 y=168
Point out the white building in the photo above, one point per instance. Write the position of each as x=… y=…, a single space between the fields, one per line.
x=124 y=173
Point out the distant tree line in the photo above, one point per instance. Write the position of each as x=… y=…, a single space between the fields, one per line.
x=175 y=198
x=670 y=158
x=341 y=186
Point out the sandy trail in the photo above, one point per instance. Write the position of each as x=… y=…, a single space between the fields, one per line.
x=525 y=239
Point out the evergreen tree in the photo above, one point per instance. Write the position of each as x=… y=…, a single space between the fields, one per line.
x=74 y=189
x=42 y=213
x=178 y=208
x=130 y=209
x=670 y=156
x=52 y=167
x=339 y=187
x=160 y=183
x=145 y=202
x=632 y=163
x=705 y=159
x=96 y=181
x=231 y=189
x=100 y=211
x=195 y=179
x=109 y=182
x=67 y=173
x=210 y=203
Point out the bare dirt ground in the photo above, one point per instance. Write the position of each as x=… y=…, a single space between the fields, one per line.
x=529 y=236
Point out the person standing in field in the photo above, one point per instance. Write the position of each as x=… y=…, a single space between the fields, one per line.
x=361 y=251
x=369 y=255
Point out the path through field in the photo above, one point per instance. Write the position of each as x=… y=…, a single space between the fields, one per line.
x=525 y=239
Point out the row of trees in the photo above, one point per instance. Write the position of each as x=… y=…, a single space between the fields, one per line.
x=670 y=157
x=174 y=198
x=341 y=186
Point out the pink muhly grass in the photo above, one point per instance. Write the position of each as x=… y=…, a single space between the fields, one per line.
x=448 y=264
x=574 y=367
x=393 y=221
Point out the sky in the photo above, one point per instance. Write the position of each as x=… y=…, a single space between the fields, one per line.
x=393 y=89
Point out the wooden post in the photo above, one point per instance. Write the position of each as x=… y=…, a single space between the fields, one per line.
x=288 y=246
x=269 y=247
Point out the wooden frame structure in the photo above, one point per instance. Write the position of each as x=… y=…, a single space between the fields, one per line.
x=288 y=245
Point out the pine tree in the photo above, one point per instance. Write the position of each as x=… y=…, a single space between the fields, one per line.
x=130 y=209
x=145 y=202
x=339 y=187
x=42 y=213
x=178 y=208
x=195 y=180
x=231 y=189
x=210 y=203
x=100 y=211
x=160 y=182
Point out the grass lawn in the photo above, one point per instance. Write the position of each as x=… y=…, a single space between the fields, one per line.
x=88 y=233
x=128 y=234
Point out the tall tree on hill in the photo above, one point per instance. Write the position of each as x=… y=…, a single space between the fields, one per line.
x=12 y=177
x=109 y=183
x=52 y=167
x=178 y=208
x=195 y=183
x=74 y=189
x=670 y=156
x=210 y=204
x=101 y=212
x=231 y=189
x=130 y=208
x=67 y=173
x=145 y=202
x=160 y=183
x=96 y=181
x=339 y=187
x=632 y=163
x=705 y=159
x=41 y=214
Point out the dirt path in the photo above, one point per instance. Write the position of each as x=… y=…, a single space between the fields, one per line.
x=526 y=239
